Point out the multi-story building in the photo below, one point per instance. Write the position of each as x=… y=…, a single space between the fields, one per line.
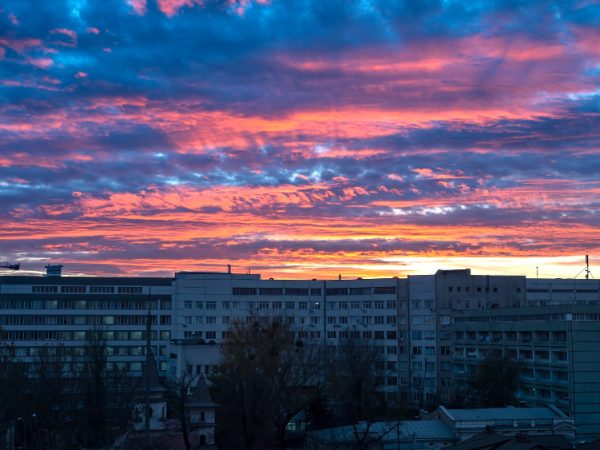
x=458 y=290
x=319 y=311
x=407 y=320
x=62 y=313
x=556 y=346
x=558 y=291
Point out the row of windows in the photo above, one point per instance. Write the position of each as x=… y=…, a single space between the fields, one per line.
x=513 y=318
x=73 y=367
x=276 y=305
x=525 y=355
x=523 y=336
x=581 y=291
x=81 y=320
x=79 y=335
x=314 y=291
x=84 y=289
x=479 y=289
x=85 y=304
x=73 y=351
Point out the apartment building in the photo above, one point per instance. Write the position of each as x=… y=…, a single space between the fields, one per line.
x=408 y=320
x=62 y=313
x=319 y=311
x=557 y=347
x=558 y=291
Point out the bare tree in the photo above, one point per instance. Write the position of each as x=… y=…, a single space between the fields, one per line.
x=354 y=387
x=181 y=388
x=265 y=378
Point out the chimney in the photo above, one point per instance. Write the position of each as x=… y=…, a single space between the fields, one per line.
x=54 y=270
x=228 y=268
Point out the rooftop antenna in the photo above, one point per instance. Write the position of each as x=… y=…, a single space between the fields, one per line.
x=586 y=269
x=9 y=266
x=537 y=272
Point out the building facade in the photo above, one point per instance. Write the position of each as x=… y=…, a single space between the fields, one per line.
x=407 y=320
x=556 y=346
x=63 y=314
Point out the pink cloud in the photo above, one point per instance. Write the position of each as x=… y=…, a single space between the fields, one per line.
x=66 y=32
x=170 y=7
x=20 y=45
x=92 y=30
x=42 y=63
x=139 y=6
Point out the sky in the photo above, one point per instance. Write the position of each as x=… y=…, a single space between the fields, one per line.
x=300 y=138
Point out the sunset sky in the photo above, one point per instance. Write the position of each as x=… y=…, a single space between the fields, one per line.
x=300 y=138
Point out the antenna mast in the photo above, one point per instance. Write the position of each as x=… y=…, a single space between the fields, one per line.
x=587 y=267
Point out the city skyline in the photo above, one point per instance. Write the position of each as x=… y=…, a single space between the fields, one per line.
x=300 y=139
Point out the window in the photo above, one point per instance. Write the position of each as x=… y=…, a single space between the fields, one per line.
x=315 y=320
x=378 y=335
x=315 y=291
x=391 y=304
x=187 y=305
x=130 y=290
x=391 y=350
x=360 y=291
x=445 y=350
x=343 y=305
x=199 y=320
x=315 y=335
x=302 y=305
x=384 y=290
x=263 y=305
x=211 y=320
x=290 y=305
x=199 y=305
x=354 y=305
x=391 y=320
x=367 y=305
x=331 y=320
x=211 y=305
x=187 y=320
x=296 y=291
x=416 y=350
x=378 y=305
x=73 y=289
x=44 y=289
x=331 y=334
x=102 y=289
x=343 y=320
x=165 y=304
x=276 y=305
x=391 y=335
x=336 y=291
x=211 y=335
x=244 y=291
x=378 y=320
x=270 y=291
x=225 y=305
